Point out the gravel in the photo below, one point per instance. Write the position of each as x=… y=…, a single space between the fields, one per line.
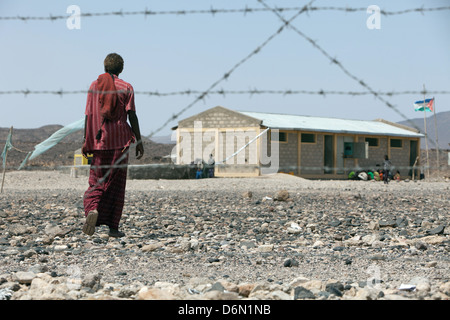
x=270 y=237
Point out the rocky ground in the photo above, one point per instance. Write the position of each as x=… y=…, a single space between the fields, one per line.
x=274 y=237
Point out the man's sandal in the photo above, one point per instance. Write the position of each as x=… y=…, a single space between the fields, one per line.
x=91 y=221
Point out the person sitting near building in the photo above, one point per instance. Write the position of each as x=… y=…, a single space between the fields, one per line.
x=376 y=176
x=211 y=164
x=351 y=175
x=199 y=173
x=370 y=174
x=397 y=176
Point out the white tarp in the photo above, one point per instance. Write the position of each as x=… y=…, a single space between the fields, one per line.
x=53 y=140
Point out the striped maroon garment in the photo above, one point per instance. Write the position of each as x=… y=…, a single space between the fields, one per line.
x=115 y=134
x=107 y=196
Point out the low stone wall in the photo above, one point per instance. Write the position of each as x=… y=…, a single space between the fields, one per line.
x=146 y=171
x=161 y=171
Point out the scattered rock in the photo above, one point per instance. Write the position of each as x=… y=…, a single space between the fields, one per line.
x=303 y=293
x=282 y=195
x=387 y=223
x=437 y=230
x=241 y=249
x=290 y=263
x=247 y=194
x=23 y=277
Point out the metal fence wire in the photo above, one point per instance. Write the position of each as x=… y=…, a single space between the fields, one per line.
x=212 y=90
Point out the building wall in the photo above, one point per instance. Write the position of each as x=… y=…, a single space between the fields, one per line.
x=288 y=153
x=311 y=156
x=220 y=117
x=400 y=157
x=376 y=154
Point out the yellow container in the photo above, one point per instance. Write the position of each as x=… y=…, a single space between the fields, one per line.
x=79 y=159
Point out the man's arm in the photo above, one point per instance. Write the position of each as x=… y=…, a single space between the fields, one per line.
x=83 y=152
x=137 y=133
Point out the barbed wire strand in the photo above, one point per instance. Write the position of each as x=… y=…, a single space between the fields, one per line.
x=236 y=66
x=223 y=92
x=203 y=94
x=344 y=69
x=212 y=11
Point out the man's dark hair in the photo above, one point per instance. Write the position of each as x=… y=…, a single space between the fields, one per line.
x=113 y=63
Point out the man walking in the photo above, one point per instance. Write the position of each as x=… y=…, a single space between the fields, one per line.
x=108 y=137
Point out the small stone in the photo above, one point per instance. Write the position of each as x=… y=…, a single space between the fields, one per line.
x=91 y=280
x=24 y=277
x=59 y=248
x=378 y=256
x=294 y=228
x=290 y=263
x=373 y=225
x=265 y=248
x=431 y=264
x=217 y=286
x=421 y=246
x=282 y=195
x=146 y=293
x=438 y=230
x=335 y=288
x=303 y=293
x=335 y=223
x=401 y=222
x=387 y=223
x=318 y=244
x=151 y=247
x=244 y=289
x=247 y=194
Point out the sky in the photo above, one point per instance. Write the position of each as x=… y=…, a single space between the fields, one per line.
x=178 y=52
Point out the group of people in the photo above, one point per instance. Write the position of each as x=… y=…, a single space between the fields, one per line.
x=384 y=174
x=205 y=171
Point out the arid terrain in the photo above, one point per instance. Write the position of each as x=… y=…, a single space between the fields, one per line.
x=275 y=237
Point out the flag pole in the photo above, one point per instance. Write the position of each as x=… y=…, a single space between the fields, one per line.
x=425 y=128
x=6 y=156
x=436 y=133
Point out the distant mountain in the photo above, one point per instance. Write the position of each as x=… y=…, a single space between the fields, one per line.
x=163 y=139
x=63 y=153
x=443 y=129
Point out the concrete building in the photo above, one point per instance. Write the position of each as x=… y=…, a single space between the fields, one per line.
x=255 y=143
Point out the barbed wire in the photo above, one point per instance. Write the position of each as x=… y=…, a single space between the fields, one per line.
x=204 y=93
x=258 y=49
x=210 y=90
x=250 y=92
x=212 y=11
x=334 y=60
